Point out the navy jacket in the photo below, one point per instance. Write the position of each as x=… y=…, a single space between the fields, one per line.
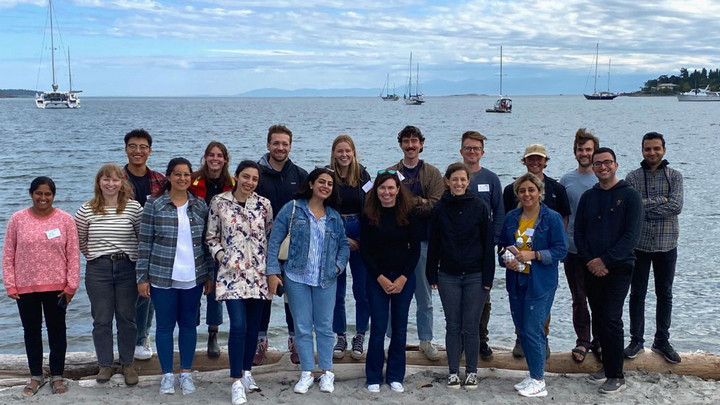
x=279 y=186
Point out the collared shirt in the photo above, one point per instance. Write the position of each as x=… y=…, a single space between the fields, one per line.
x=315 y=254
x=662 y=197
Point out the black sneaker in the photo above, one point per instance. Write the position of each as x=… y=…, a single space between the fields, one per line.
x=485 y=351
x=633 y=349
x=340 y=347
x=357 y=346
x=517 y=351
x=598 y=376
x=668 y=352
x=612 y=386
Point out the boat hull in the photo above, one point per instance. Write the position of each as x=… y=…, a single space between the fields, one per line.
x=600 y=96
x=500 y=111
x=57 y=100
x=681 y=97
x=414 y=100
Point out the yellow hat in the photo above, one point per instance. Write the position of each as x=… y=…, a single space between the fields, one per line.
x=535 y=149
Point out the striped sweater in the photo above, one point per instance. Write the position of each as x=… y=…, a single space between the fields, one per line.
x=104 y=234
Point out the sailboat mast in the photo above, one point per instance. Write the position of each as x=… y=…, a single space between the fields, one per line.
x=597 y=48
x=410 y=78
x=52 y=47
x=417 y=79
x=69 y=71
x=609 y=61
x=501 y=72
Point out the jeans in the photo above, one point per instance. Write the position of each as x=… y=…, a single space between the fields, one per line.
x=530 y=316
x=359 y=276
x=485 y=319
x=384 y=309
x=213 y=311
x=575 y=271
x=423 y=298
x=607 y=297
x=663 y=264
x=176 y=306
x=265 y=319
x=463 y=298
x=312 y=308
x=143 y=319
x=32 y=306
x=244 y=317
x=112 y=290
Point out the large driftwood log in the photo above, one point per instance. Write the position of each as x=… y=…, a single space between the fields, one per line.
x=84 y=365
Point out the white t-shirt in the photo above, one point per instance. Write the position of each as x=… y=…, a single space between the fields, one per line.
x=183 y=274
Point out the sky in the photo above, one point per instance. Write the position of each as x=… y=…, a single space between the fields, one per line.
x=228 y=47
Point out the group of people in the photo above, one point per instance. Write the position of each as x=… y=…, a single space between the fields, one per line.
x=157 y=243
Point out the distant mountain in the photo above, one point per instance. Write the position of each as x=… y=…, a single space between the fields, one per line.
x=432 y=88
x=9 y=93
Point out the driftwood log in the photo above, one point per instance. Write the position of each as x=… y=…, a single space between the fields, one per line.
x=83 y=365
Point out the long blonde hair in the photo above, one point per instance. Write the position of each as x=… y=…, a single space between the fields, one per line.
x=353 y=174
x=97 y=203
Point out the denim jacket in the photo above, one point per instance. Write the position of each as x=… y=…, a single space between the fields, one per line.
x=549 y=239
x=336 y=249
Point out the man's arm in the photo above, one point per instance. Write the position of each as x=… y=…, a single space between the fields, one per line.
x=659 y=207
x=624 y=246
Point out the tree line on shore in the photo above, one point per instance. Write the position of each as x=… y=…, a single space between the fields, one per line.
x=683 y=82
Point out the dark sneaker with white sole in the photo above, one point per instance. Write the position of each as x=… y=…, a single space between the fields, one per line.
x=612 y=386
x=668 y=352
x=598 y=376
x=633 y=349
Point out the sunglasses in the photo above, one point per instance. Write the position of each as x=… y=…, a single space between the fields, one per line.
x=386 y=171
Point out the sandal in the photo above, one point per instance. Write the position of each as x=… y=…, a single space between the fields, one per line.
x=579 y=353
x=31 y=389
x=58 y=388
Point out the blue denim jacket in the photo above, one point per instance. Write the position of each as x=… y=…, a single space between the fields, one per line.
x=336 y=249
x=549 y=239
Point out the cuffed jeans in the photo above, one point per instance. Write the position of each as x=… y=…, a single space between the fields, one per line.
x=663 y=264
x=607 y=296
x=176 y=306
x=463 y=298
x=143 y=319
x=575 y=271
x=359 y=287
x=32 y=306
x=244 y=315
x=383 y=308
x=112 y=290
x=529 y=316
x=265 y=319
x=312 y=308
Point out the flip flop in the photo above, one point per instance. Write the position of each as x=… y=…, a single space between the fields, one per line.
x=581 y=352
x=60 y=388
x=30 y=389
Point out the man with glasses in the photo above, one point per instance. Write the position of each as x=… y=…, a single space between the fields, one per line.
x=425 y=182
x=661 y=189
x=607 y=229
x=279 y=181
x=145 y=182
x=487 y=185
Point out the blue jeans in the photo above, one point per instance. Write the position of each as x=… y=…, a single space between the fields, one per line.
x=312 y=308
x=244 y=317
x=529 y=316
x=176 y=306
x=112 y=290
x=423 y=298
x=359 y=276
x=384 y=309
x=32 y=307
x=213 y=311
x=463 y=298
x=143 y=319
x=663 y=264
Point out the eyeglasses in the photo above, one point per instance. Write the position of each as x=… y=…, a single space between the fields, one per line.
x=606 y=163
x=472 y=148
x=134 y=146
x=387 y=171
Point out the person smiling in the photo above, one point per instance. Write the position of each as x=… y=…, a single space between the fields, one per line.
x=174 y=267
x=212 y=179
x=537 y=235
x=318 y=254
x=41 y=263
x=461 y=265
x=108 y=227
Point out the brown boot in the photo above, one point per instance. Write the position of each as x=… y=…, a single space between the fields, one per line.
x=131 y=376
x=104 y=374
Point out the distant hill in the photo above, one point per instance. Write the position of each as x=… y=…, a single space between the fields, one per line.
x=11 y=93
x=434 y=88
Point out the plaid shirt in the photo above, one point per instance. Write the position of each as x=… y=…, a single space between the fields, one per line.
x=156 y=180
x=158 y=239
x=662 y=197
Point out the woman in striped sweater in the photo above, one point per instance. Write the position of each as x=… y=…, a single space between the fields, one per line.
x=108 y=227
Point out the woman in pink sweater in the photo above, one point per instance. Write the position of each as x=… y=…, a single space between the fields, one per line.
x=41 y=271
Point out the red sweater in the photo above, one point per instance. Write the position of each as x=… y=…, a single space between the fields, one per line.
x=41 y=253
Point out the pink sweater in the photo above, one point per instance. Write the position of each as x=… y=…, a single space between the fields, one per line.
x=41 y=253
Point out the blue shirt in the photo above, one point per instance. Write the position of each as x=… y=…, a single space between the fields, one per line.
x=314 y=261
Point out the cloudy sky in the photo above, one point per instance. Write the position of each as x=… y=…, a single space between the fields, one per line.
x=227 y=47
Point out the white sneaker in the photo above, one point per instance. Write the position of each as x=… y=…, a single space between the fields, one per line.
x=522 y=384
x=167 y=384
x=143 y=352
x=186 y=383
x=306 y=381
x=238 y=393
x=535 y=388
x=428 y=348
x=249 y=382
x=397 y=387
x=374 y=387
x=327 y=381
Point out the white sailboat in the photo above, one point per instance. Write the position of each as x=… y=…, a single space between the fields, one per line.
x=600 y=95
x=503 y=104
x=417 y=98
x=385 y=92
x=55 y=98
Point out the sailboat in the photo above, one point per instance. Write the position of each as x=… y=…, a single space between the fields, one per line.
x=55 y=98
x=503 y=104
x=417 y=98
x=386 y=90
x=602 y=95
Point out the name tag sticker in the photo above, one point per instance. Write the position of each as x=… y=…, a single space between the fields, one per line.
x=368 y=186
x=483 y=188
x=529 y=232
x=53 y=233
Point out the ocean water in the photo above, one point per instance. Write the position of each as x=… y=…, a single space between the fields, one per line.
x=70 y=145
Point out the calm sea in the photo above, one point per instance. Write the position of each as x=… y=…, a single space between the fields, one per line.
x=70 y=145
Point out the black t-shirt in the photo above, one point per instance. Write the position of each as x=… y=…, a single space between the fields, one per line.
x=213 y=187
x=141 y=186
x=351 y=201
x=412 y=179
